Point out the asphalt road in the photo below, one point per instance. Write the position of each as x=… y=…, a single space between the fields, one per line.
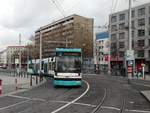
x=107 y=94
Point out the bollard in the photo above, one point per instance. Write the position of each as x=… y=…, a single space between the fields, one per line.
x=0 y=86
x=16 y=84
x=36 y=79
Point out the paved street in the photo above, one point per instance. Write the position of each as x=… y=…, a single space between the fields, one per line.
x=46 y=99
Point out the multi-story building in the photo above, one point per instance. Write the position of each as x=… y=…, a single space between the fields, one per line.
x=140 y=36
x=73 y=31
x=12 y=53
x=3 y=58
x=102 y=51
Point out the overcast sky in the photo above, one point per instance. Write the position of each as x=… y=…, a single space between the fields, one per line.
x=26 y=16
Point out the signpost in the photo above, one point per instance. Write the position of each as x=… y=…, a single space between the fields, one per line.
x=130 y=62
x=143 y=69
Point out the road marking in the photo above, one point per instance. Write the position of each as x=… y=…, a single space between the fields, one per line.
x=107 y=107
x=73 y=101
x=2 y=108
x=15 y=96
x=138 y=111
x=21 y=97
x=77 y=103
x=83 y=104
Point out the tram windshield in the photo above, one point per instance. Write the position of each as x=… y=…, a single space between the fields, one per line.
x=68 y=64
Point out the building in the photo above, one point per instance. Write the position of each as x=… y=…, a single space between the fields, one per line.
x=140 y=35
x=73 y=31
x=3 y=58
x=12 y=53
x=102 y=51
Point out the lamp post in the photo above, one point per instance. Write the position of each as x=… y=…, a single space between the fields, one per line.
x=19 y=54
x=40 y=55
x=130 y=52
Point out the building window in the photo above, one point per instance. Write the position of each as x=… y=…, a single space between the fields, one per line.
x=114 y=19
x=114 y=28
x=141 y=11
x=141 y=22
x=121 y=44
x=133 y=13
x=141 y=32
x=133 y=34
x=121 y=26
x=132 y=24
x=121 y=54
x=121 y=17
x=141 y=43
x=113 y=36
x=122 y=35
x=141 y=53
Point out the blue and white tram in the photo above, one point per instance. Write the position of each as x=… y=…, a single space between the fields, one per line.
x=68 y=67
x=47 y=66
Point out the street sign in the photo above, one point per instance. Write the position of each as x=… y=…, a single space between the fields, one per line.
x=130 y=55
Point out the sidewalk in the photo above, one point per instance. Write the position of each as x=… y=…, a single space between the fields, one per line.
x=146 y=93
x=9 y=83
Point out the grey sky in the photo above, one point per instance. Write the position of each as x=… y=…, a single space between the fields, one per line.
x=25 y=16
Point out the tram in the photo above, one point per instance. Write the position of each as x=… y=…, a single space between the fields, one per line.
x=68 y=63
x=47 y=68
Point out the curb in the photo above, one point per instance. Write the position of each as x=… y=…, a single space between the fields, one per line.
x=146 y=95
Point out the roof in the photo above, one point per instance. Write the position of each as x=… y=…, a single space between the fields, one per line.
x=15 y=46
x=58 y=21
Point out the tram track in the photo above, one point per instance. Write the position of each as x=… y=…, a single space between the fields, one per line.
x=122 y=106
x=99 y=106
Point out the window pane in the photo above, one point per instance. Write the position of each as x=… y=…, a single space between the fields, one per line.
x=121 y=44
x=141 y=43
x=121 y=35
x=141 y=11
x=141 y=32
x=122 y=17
x=141 y=53
x=141 y=22
x=121 y=26
x=113 y=19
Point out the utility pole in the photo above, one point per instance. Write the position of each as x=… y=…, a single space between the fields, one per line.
x=66 y=42
x=19 y=54
x=109 y=54
x=40 y=53
x=28 y=51
x=130 y=52
x=130 y=30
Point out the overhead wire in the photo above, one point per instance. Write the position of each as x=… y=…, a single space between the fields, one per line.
x=61 y=7
x=53 y=1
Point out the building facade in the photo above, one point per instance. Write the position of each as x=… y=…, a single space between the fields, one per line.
x=140 y=37
x=102 y=51
x=73 y=31
x=3 y=58
x=12 y=53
